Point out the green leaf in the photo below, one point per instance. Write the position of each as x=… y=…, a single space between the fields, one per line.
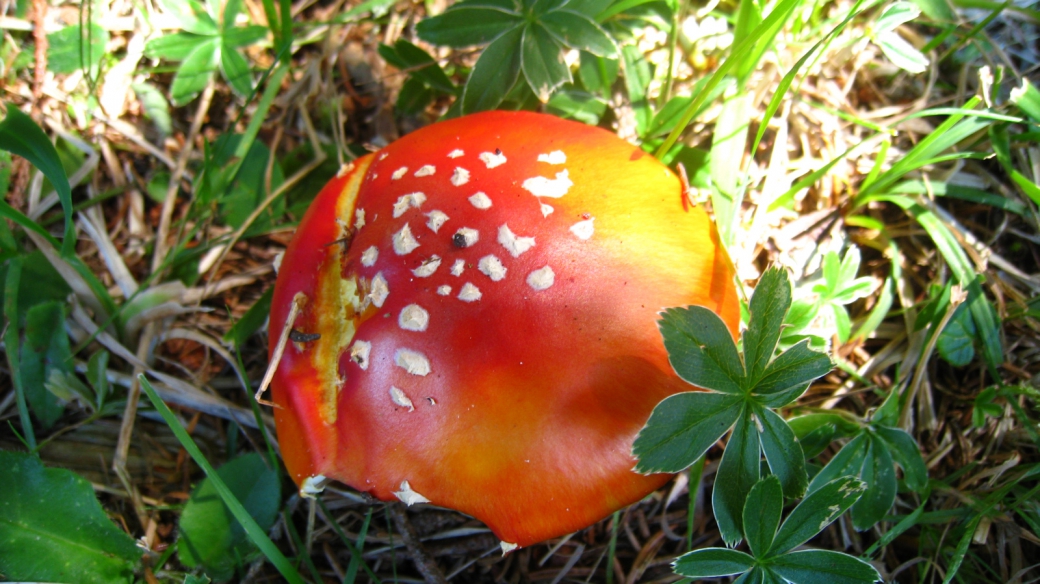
x=251 y=321
x=637 y=82
x=823 y=567
x=414 y=96
x=578 y=31
x=701 y=350
x=815 y=512
x=406 y=56
x=172 y=47
x=880 y=476
x=238 y=510
x=46 y=349
x=465 y=25
x=956 y=342
x=904 y=450
x=494 y=74
x=597 y=74
x=896 y=14
x=739 y=470
x=209 y=534
x=243 y=36
x=901 y=53
x=541 y=60
x=682 y=428
x=729 y=141
x=74 y=48
x=768 y=306
x=790 y=374
x=246 y=193
x=762 y=512
x=236 y=71
x=97 y=376
x=20 y=135
x=190 y=15
x=195 y=71
x=713 y=563
x=155 y=107
x=784 y=455
x=847 y=462
x=53 y=529
x=577 y=105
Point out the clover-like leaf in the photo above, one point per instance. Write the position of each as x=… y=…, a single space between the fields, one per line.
x=790 y=374
x=494 y=74
x=768 y=307
x=823 y=567
x=468 y=24
x=879 y=474
x=739 y=470
x=762 y=511
x=682 y=428
x=578 y=31
x=905 y=452
x=783 y=453
x=701 y=349
x=847 y=462
x=195 y=71
x=713 y=563
x=541 y=60
x=815 y=512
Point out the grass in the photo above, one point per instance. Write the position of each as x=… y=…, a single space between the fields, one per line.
x=829 y=144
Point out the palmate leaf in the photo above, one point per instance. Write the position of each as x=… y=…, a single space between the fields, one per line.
x=768 y=307
x=468 y=24
x=905 y=452
x=713 y=563
x=52 y=528
x=823 y=567
x=789 y=375
x=879 y=474
x=541 y=60
x=195 y=71
x=739 y=470
x=682 y=428
x=578 y=31
x=783 y=453
x=494 y=74
x=815 y=512
x=762 y=511
x=701 y=349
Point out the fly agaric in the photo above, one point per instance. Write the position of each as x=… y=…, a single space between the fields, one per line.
x=475 y=321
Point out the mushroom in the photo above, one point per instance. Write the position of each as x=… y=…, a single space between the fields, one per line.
x=484 y=293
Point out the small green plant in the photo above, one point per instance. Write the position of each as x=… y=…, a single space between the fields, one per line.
x=208 y=40
x=743 y=394
x=772 y=544
x=827 y=298
x=527 y=37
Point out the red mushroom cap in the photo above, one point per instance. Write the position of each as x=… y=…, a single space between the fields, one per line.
x=486 y=292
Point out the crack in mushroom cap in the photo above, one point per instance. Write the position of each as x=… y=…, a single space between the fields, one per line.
x=562 y=349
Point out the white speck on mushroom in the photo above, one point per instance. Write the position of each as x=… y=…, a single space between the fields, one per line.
x=492 y=267
x=384 y=155
x=583 y=229
x=492 y=159
x=428 y=267
x=437 y=218
x=404 y=241
x=379 y=290
x=515 y=244
x=554 y=157
x=413 y=362
x=414 y=318
x=469 y=293
x=359 y=353
x=456 y=153
x=554 y=188
x=547 y=210
x=480 y=200
x=344 y=169
x=465 y=237
x=507 y=547
x=312 y=486
x=359 y=219
x=408 y=496
x=426 y=170
x=400 y=399
x=400 y=172
x=541 y=278
x=458 y=267
x=460 y=176
x=409 y=201
x=444 y=290
x=369 y=256
x=277 y=263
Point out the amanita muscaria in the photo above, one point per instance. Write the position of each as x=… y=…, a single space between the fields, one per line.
x=478 y=326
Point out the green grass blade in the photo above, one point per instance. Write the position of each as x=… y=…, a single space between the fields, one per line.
x=12 y=347
x=257 y=535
